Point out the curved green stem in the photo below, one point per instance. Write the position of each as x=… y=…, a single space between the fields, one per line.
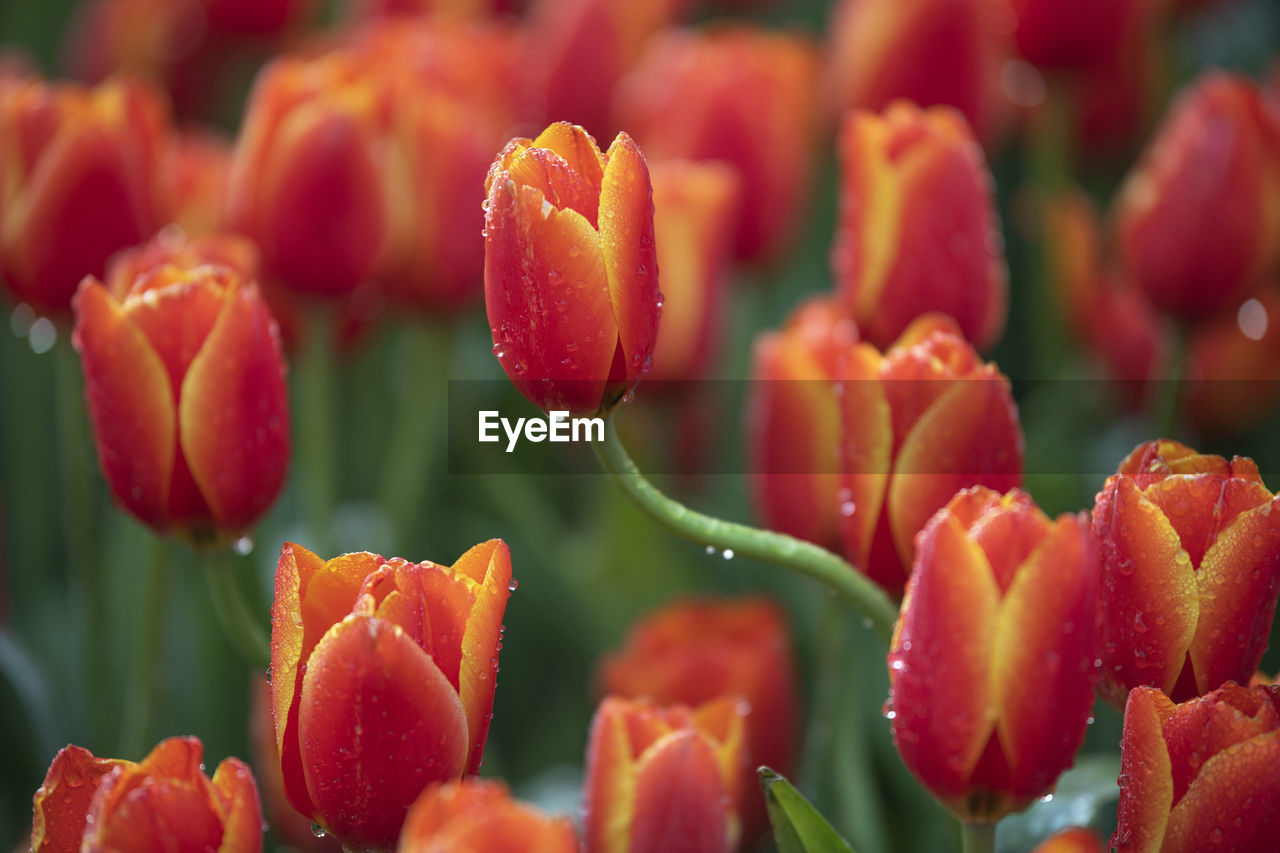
x=978 y=837
x=1166 y=404
x=242 y=628
x=140 y=699
x=313 y=377
x=742 y=540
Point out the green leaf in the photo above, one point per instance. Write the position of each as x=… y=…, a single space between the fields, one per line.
x=797 y=825
x=1086 y=795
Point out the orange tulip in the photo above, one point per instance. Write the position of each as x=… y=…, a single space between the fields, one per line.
x=1076 y=839
x=307 y=172
x=162 y=803
x=695 y=651
x=479 y=816
x=1200 y=775
x=663 y=779
x=1200 y=247
x=383 y=673
x=742 y=95
x=998 y=615
x=1190 y=571
x=79 y=182
x=571 y=273
x=185 y=384
x=918 y=230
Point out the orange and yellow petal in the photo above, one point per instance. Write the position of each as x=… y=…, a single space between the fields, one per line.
x=63 y=799
x=1146 y=780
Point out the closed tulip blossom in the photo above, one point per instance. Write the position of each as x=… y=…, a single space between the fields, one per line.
x=185 y=384
x=164 y=802
x=1199 y=247
x=998 y=615
x=1202 y=774
x=918 y=230
x=1191 y=570
x=571 y=270
x=663 y=779
x=480 y=816
x=80 y=181
x=383 y=674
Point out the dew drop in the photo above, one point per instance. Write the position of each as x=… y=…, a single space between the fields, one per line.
x=728 y=553
x=513 y=585
x=1047 y=798
x=318 y=831
x=629 y=396
x=242 y=546
x=497 y=350
x=574 y=250
x=711 y=550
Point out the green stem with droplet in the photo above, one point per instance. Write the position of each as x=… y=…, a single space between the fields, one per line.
x=242 y=628
x=742 y=540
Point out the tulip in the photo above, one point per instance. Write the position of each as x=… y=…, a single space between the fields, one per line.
x=696 y=651
x=479 y=816
x=383 y=673
x=571 y=273
x=1199 y=247
x=1075 y=839
x=1075 y=36
x=164 y=802
x=172 y=247
x=858 y=453
x=918 y=230
x=306 y=174
x=932 y=52
x=693 y=210
x=196 y=179
x=185 y=384
x=998 y=615
x=79 y=182
x=663 y=779
x=742 y=95
x=1199 y=775
x=1190 y=571
x=1234 y=366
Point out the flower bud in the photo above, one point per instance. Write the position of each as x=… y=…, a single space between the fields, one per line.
x=479 y=816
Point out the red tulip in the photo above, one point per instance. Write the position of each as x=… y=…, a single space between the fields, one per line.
x=663 y=779
x=918 y=230
x=479 y=816
x=1199 y=247
x=1200 y=775
x=163 y=803
x=185 y=384
x=742 y=95
x=80 y=182
x=1190 y=571
x=696 y=651
x=997 y=618
x=571 y=272
x=1234 y=365
x=383 y=673
x=1076 y=35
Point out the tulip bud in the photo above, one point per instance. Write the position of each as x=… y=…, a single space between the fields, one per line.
x=164 y=802
x=80 y=182
x=696 y=651
x=1198 y=247
x=998 y=615
x=1234 y=366
x=196 y=180
x=918 y=230
x=738 y=94
x=306 y=182
x=571 y=273
x=663 y=779
x=932 y=52
x=1077 y=35
x=383 y=673
x=1200 y=775
x=693 y=210
x=185 y=384
x=479 y=816
x=1190 y=571
x=1075 y=839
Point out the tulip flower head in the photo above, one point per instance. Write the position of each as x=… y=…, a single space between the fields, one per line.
x=1190 y=571
x=1200 y=775
x=383 y=674
x=571 y=271
x=479 y=816
x=164 y=802
x=185 y=383
x=998 y=616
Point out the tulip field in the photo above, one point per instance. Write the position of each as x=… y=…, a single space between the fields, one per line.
x=639 y=426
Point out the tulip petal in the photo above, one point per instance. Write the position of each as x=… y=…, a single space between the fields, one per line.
x=562 y=187
x=1199 y=507
x=579 y=151
x=865 y=448
x=1044 y=646
x=681 y=805
x=1146 y=780
x=944 y=709
x=630 y=254
x=1238 y=582
x=242 y=824
x=1204 y=726
x=63 y=800
x=378 y=721
x=233 y=412
x=131 y=402
x=1150 y=600
x=1232 y=804
x=488 y=565
x=547 y=298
